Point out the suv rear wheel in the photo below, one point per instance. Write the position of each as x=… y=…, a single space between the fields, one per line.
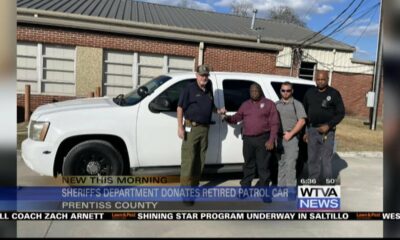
x=93 y=158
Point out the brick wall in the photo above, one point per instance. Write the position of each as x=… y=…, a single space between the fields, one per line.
x=353 y=88
x=220 y=58
x=104 y=40
x=282 y=71
x=240 y=60
x=36 y=101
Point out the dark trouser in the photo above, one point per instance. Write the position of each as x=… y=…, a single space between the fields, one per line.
x=257 y=157
x=320 y=153
x=193 y=155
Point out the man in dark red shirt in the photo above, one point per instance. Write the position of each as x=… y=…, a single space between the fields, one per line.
x=260 y=129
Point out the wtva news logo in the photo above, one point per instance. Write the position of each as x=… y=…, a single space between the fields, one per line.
x=318 y=197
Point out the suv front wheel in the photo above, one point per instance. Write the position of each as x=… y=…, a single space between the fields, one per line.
x=93 y=158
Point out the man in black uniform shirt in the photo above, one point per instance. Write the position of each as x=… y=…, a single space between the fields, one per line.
x=325 y=109
x=196 y=104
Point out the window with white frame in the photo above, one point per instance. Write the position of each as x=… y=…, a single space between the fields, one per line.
x=124 y=71
x=49 y=69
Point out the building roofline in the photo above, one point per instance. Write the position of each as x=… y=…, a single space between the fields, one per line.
x=143 y=29
x=366 y=62
x=51 y=18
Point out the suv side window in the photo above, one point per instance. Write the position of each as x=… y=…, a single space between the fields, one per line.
x=172 y=93
x=299 y=90
x=235 y=93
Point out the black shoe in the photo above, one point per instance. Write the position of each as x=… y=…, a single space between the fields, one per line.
x=263 y=184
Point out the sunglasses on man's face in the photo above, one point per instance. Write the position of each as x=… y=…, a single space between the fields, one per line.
x=286 y=90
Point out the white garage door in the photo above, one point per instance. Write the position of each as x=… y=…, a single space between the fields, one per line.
x=47 y=68
x=125 y=71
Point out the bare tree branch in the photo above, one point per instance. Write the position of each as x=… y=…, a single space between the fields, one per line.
x=287 y=15
x=241 y=7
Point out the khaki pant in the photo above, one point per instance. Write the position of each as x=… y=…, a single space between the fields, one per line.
x=193 y=155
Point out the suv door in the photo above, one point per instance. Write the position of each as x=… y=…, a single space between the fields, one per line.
x=235 y=92
x=158 y=143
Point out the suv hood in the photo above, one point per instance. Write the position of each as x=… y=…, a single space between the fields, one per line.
x=73 y=105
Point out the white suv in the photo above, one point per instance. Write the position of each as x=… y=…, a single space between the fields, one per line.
x=136 y=131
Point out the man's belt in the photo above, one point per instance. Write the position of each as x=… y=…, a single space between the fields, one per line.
x=190 y=123
x=257 y=135
x=314 y=125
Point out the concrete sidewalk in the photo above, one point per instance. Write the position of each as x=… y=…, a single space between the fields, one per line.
x=361 y=190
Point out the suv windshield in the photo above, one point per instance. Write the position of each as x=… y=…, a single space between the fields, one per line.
x=133 y=96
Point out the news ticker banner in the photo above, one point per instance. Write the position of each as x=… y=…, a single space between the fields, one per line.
x=129 y=198
x=203 y=216
x=120 y=180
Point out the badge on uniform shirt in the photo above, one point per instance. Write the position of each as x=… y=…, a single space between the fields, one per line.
x=262 y=105
x=328 y=98
x=198 y=95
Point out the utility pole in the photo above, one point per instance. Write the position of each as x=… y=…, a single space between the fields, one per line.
x=378 y=73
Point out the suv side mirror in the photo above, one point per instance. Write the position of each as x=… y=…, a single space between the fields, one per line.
x=143 y=91
x=160 y=104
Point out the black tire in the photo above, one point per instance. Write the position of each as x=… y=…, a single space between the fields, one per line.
x=93 y=158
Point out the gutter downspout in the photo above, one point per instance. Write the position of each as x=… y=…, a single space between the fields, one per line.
x=201 y=53
x=332 y=67
x=292 y=62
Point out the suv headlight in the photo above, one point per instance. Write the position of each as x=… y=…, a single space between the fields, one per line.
x=38 y=130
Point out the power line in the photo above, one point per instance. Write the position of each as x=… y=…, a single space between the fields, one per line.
x=359 y=15
x=363 y=15
x=358 y=18
x=342 y=26
x=329 y=24
x=337 y=28
x=365 y=29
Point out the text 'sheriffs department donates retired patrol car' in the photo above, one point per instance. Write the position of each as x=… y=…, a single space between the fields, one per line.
x=138 y=130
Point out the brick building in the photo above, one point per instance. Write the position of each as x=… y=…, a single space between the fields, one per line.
x=65 y=49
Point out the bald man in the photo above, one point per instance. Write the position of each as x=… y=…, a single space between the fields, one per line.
x=325 y=109
x=260 y=129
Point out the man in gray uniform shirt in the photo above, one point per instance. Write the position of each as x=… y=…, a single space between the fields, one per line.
x=292 y=116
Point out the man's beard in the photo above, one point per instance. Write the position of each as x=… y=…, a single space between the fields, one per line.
x=255 y=99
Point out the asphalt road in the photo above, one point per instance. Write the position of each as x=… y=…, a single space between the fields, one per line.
x=361 y=190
